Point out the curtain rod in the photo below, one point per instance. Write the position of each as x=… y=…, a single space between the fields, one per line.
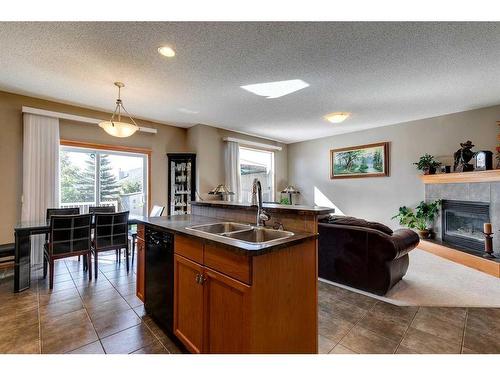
x=251 y=143
x=67 y=116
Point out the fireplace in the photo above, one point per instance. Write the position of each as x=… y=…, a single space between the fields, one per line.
x=462 y=224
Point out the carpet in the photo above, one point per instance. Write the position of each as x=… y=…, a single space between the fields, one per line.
x=435 y=281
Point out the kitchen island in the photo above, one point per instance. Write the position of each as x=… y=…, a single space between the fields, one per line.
x=230 y=295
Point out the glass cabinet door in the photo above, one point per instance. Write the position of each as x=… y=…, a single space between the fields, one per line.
x=181 y=189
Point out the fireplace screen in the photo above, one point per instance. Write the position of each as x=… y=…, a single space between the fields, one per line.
x=463 y=224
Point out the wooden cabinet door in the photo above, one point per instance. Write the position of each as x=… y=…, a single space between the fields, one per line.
x=188 y=303
x=141 y=265
x=226 y=314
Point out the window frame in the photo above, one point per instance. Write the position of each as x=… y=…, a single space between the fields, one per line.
x=116 y=150
x=273 y=171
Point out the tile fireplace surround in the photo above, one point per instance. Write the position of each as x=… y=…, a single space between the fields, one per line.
x=487 y=192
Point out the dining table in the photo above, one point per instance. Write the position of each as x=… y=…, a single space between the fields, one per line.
x=22 y=252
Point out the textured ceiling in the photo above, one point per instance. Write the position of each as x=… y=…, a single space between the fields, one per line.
x=384 y=73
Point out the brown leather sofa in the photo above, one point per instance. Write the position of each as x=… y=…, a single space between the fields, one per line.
x=364 y=255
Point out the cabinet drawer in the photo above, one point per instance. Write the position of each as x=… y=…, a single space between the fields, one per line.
x=189 y=248
x=229 y=263
x=140 y=231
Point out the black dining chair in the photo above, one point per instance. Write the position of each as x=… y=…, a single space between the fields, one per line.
x=104 y=209
x=69 y=235
x=62 y=211
x=156 y=211
x=101 y=209
x=110 y=233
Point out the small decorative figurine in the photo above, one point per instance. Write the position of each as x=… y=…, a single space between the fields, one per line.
x=463 y=157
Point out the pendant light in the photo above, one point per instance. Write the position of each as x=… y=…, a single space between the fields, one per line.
x=118 y=128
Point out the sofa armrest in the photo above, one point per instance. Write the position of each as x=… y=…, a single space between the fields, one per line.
x=404 y=240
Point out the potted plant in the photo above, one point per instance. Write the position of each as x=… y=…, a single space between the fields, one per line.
x=428 y=164
x=420 y=219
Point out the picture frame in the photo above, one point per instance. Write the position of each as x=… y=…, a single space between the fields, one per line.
x=370 y=160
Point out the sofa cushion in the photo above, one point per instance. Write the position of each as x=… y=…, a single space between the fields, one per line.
x=349 y=220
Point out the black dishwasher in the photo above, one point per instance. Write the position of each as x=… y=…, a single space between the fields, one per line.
x=159 y=277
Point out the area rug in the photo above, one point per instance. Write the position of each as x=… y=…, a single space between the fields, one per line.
x=435 y=281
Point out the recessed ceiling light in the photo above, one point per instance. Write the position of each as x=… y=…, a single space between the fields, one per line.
x=276 y=89
x=337 y=117
x=166 y=51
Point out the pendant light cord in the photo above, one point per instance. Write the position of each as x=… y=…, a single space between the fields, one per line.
x=119 y=107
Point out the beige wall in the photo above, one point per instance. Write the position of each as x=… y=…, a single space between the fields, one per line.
x=168 y=139
x=207 y=143
x=379 y=198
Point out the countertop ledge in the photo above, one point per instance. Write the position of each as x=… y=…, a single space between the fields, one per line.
x=271 y=207
x=179 y=223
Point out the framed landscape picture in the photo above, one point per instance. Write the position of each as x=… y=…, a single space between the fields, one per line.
x=360 y=161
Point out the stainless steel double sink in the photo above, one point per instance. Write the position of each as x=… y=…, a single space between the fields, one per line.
x=242 y=232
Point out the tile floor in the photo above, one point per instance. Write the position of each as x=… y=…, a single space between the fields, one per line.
x=105 y=316
x=354 y=323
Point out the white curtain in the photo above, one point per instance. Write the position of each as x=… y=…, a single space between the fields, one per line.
x=232 y=166
x=40 y=173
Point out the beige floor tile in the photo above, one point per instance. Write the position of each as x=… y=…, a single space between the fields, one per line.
x=333 y=328
x=341 y=349
x=67 y=332
x=341 y=310
x=365 y=341
x=446 y=329
x=405 y=314
x=114 y=322
x=92 y=348
x=53 y=310
x=484 y=324
x=389 y=326
x=480 y=342
x=155 y=348
x=404 y=350
x=129 y=340
x=63 y=295
x=133 y=300
x=426 y=343
x=20 y=338
x=453 y=314
x=106 y=307
x=325 y=345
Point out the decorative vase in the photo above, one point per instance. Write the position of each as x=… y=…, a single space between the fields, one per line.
x=423 y=234
x=430 y=170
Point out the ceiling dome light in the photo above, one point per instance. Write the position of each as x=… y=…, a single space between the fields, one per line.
x=337 y=117
x=119 y=128
x=166 y=51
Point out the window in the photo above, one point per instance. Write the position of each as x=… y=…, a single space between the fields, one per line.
x=95 y=177
x=258 y=164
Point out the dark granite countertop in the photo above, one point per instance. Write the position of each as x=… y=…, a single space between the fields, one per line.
x=271 y=207
x=180 y=224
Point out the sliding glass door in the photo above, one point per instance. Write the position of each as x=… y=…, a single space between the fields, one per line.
x=91 y=177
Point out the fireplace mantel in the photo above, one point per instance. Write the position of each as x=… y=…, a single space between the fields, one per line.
x=463 y=177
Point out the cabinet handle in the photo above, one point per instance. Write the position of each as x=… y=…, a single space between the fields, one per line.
x=200 y=279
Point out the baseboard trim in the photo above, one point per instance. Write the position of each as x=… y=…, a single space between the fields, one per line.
x=481 y=264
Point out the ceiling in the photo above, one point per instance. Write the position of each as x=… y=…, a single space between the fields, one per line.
x=384 y=73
